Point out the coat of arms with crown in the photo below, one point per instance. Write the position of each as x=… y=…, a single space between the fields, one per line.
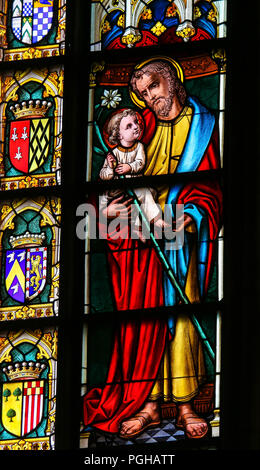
x=26 y=266
x=23 y=397
x=29 y=135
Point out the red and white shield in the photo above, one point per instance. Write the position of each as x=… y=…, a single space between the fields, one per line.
x=19 y=144
x=32 y=410
x=29 y=143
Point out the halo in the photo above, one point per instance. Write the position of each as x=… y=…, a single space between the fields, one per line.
x=137 y=101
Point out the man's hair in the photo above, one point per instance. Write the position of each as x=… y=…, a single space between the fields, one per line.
x=114 y=123
x=164 y=69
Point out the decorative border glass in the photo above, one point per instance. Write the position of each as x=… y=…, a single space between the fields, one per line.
x=30 y=258
x=28 y=374
x=24 y=15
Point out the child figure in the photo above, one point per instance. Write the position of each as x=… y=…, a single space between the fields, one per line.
x=128 y=159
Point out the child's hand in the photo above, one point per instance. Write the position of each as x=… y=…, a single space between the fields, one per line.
x=111 y=160
x=123 y=169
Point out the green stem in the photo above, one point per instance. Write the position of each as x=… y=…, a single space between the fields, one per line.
x=100 y=137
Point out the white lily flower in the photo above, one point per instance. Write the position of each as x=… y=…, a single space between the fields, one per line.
x=111 y=98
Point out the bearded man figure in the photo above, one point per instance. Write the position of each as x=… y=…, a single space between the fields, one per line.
x=165 y=360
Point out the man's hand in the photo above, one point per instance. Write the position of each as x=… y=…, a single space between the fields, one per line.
x=123 y=169
x=118 y=208
x=182 y=223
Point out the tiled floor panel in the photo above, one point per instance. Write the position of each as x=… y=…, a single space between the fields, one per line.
x=167 y=432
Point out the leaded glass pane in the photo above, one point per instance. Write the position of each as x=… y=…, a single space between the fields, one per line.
x=134 y=361
x=120 y=24
x=199 y=83
x=28 y=374
x=31 y=128
x=32 y=29
x=30 y=258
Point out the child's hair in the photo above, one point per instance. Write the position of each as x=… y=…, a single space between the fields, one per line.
x=114 y=123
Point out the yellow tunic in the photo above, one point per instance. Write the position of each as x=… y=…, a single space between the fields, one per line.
x=182 y=368
x=166 y=147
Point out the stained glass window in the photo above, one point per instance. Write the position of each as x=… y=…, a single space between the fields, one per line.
x=32 y=29
x=28 y=371
x=107 y=375
x=107 y=262
x=112 y=227
x=153 y=223
x=31 y=149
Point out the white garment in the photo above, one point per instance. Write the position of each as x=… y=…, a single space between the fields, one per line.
x=135 y=157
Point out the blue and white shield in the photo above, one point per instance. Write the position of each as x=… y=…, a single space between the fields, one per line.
x=31 y=19
x=15 y=271
x=25 y=272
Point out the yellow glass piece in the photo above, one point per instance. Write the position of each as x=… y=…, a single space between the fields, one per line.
x=12 y=408
x=39 y=4
x=16 y=271
x=158 y=28
x=169 y=140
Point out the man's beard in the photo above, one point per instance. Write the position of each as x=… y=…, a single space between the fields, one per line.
x=164 y=106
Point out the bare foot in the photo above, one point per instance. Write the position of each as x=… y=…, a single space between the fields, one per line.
x=148 y=417
x=194 y=426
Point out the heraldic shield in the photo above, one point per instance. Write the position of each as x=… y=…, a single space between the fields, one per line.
x=29 y=143
x=23 y=397
x=25 y=269
x=31 y=19
x=22 y=405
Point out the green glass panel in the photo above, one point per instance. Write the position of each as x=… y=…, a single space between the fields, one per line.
x=28 y=365
x=29 y=237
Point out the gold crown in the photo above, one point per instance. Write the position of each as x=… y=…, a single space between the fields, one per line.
x=27 y=240
x=30 y=109
x=24 y=371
